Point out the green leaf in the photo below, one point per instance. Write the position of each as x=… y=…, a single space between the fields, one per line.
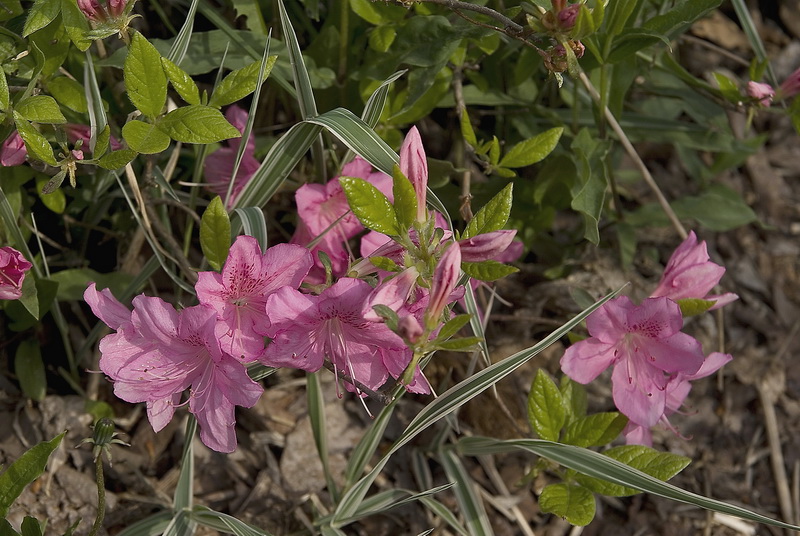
x=54 y=183
x=102 y=142
x=384 y=263
x=29 y=367
x=5 y=527
x=55 y=201
x=588 y=193
x=494 y=151
x=571 y=502
x=370 y=206
x=5 y=97
x=532 y=150
x=618 y=14
x=117 y=159
x=196 y=123
x=240 y=83
x=382 y=37
x=40 y=15
x=678 y=19
x=405 y=199
x=73 y=282
x=37 y=145
x=143 y=138
x=463 y=344
x=145 y=80
x=25 y=470
x=452 y=326
x=466 y=129
x=695 y=306
x=594 y=430
x=8 y=10
x=661 y=465
x=488 y=270
x=40 y=109
x=76 y=24
x=575 y=400
x=377 y=13
x=181 y=81
x=69 y=93
x=493 y=215
x=718 y=208
x=32 y=526
x=215 y=233
x=546 y=411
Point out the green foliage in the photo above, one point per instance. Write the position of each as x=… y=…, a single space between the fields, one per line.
x=215 y=233
x=239 y=83
x=546 y=411
x=370 y=206
x=492 y=216
x=569 y=501
x=29 y=367
x=145 y=80
x=196 y=123
x=25 y=470
x=405 y=199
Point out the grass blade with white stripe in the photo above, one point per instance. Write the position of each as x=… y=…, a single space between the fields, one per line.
x=316 y=414
x=469 y=502
x=181 y=44
x=597 y=465
x=376 y=102
x=223 y=522
x=393 y=498
x=451 y=400
x=255 y=225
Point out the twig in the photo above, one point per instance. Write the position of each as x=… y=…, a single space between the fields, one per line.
x=628 y=146
x=775 y=452
x=466 y=179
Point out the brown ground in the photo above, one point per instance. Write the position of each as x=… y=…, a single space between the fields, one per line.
x=274 y=481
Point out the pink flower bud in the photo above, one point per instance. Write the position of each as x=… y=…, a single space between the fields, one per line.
x=12 y=273
x=690 y=274
x=791 y=86
x=92 y=9
x=762 y=92
x=77 y=154
x=414 y=165
x=568 y=16
x=409 y=329
x=445 y=279
x=13 y=152
x=392 y=293
x=487 y=246
x=116 y=8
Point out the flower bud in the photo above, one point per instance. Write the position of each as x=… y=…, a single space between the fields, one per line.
x=92 y=9
x=445 y=279
x=409 y=329
x=791 y=86
x=13 y=151
x=762 y=92
x=116 y=8
x=414 y=165
x=568 y=16
x=392 y=293
x=486 y=246
x=13 y=267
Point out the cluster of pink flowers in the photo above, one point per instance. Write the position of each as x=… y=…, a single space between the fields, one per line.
x=284 y=294
x=13 y=267
x=654 y=362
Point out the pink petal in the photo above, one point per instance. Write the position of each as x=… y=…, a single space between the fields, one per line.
x=106 y=307
x=586 y=359
x=414 y=165
x=639 y=392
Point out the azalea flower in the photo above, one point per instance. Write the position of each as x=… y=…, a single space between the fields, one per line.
x=763 y=92
x=218 y=166
x=157 y=353
x=13 y=267
x=645 y=346
x=791 y=86
x=690 y=274
x=239 y=294
x=677 y=390
x=306 y=330
x=324 y=215
x=414 y=166
x=445 y=279
x=13 y=151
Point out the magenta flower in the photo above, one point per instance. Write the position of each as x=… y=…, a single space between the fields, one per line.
x=92 y=10
x=157 y=353
x=324 y=213
x=690 y=274
x=791 y=86
x=762 y=92
x=239 y=294
x=218 y=166
x=13 y=151
x=486 y=246
x=83 y=133
x=678 y=388
x=305 y=330
x=13 y=267
x=414 y=166
x=644 y=343
x=445 y=279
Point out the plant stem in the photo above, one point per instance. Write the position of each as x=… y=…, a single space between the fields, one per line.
x=101 y=496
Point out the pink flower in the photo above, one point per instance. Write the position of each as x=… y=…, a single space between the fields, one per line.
x=157 y=353
x=13 y=151
x=218 y=166
x=392 y=292
x=690 y=274
x=791 y=86
x=13 y=267
x=678 y=388
x=239 y=293
x=92 y=10
x=116 y=7
x=83 y=133
x=324 y=213
x=644 y=343
x=305 y=330
x=414 y=166
x=568 y=16
x=762 y=92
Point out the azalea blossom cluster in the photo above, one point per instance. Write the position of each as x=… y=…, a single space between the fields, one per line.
x=654 y=362
x=368 y=321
